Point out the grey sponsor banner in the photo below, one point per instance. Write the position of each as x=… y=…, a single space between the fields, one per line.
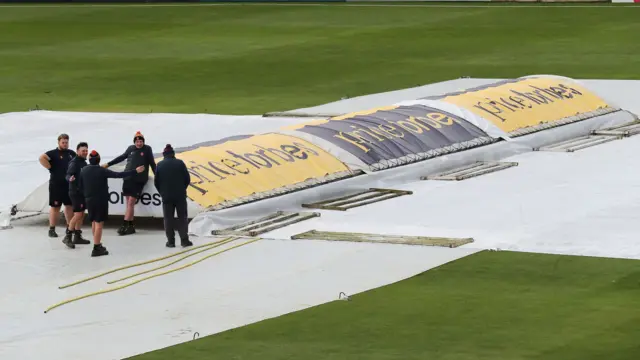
x=392 y=133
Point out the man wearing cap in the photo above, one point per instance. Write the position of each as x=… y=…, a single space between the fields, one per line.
x=172 y=180
x=138 y=154
x=57 y=161
x=94 y=184
x=77 y=199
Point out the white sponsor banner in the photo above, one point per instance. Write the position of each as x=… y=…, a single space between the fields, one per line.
x=149 y=204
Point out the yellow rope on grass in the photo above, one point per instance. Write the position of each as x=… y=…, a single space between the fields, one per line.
x=145 y=262
x=144 y=278
x=171 y=263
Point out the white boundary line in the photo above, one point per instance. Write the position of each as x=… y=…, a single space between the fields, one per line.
x=340 y=4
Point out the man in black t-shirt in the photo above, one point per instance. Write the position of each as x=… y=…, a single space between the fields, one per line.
x=76 y=196
x=57 y=161
x=138 y=154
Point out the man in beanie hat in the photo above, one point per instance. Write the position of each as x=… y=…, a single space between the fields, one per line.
x=93 y=182
x=172 y=180
x=138 y=154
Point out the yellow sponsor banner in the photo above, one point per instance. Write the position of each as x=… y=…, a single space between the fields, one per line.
x=528 y=102
x=235 y=169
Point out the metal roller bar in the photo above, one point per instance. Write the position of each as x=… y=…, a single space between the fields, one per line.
x=382 y=239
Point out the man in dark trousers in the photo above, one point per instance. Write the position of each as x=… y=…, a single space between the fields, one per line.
x=56 y=161
x=77 y=199
x=172 y=180
x=93 y=182
x=138 y=154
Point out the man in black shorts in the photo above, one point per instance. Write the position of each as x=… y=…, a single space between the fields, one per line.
x=93 y=182
x=57 y=161
x=77 y=199
x=138 y=154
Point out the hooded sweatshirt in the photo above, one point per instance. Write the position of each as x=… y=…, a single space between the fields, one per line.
x=137 y=157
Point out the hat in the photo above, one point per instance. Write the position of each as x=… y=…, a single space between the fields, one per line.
x=138 y=136
x=94 y=157
x=168 y=150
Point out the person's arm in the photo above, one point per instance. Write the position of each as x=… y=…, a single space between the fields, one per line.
x=151 y=160
x=119 y=175
x=124 y=174
x=120 y=158
x=80 y=184
x=156 y=179
x=71 y=172
x=187 y=176
x=45 y=160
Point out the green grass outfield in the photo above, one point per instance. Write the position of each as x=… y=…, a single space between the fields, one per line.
x=488 y=306
x=248 y=59
x=238 y=59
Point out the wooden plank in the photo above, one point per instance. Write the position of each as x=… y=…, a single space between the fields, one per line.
x=594 y=143
x=268 y=217
x=463 y=168
x=459 y=174
x=326 y=202
x=384 y=239
x=486 y=171
x=378 y=199
x=339 y=203
x=273 y=221
x=348 y=201
x=401 y=192
x=298 y=218
x=579 y=143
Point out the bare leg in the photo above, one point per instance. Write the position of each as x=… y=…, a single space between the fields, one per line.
x=68 y=215
x=93 y=228
x=76 y=221
x=54 y=214
x=97 y=232
x=131 y=203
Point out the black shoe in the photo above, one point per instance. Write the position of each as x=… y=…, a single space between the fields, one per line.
x=171 y=244
x=99 y=250
x=186 y=243
x=52 y=233
x=129 y=230
x=78 y=239
x=67 y=240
